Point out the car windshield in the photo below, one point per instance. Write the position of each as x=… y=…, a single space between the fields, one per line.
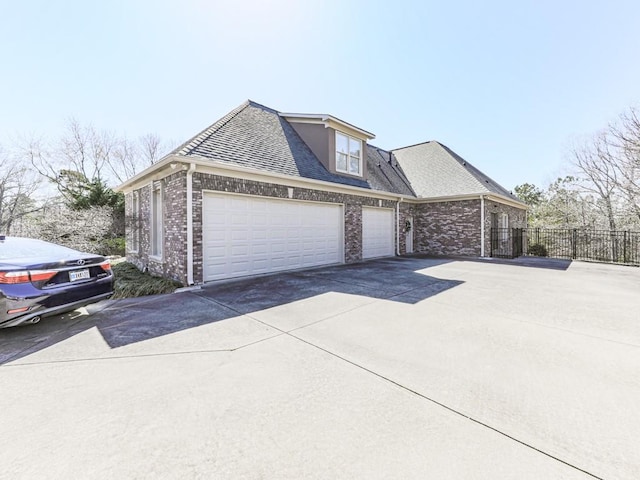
x=15 y=247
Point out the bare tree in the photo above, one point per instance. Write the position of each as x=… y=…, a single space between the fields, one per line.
x=565 y=205
x=598 y=172
x=604 y=189
x=81 y=166
x=80 y=156
x=152 y=148
x=624 y=140
x=130 y=157
x=17 y=186
x=124 y=163
x=84 y=154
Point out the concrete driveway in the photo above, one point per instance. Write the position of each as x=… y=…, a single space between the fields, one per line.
x=396 y=368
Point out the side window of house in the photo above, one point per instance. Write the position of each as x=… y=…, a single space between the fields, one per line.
x=504 y=226
x=156 y=220
x=348 y=154
x=135 y=222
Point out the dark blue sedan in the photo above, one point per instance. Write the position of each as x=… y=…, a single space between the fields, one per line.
x=39 y=279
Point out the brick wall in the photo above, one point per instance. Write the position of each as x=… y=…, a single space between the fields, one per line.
x=517 y=219
x=172 y=263
x=444 y=228
x=175 y=227
x=353 y=233
x=448 y=228
x=407 y=211
x=352 y=209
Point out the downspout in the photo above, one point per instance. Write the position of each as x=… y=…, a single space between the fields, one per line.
x=398 y=227
x=482 y=225
x=192 y=168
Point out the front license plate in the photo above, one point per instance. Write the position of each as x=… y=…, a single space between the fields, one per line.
x=79 y=275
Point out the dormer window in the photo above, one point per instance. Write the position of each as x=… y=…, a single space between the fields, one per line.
x=348 y=154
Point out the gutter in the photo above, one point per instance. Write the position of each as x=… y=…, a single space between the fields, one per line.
x=192 y=168
x=398 y=227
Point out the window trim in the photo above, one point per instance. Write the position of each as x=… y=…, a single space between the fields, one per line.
x=503 y=225
x=156 y=221
x=135 y=223
x=349 y=156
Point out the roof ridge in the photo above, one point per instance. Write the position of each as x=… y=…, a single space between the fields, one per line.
x=259 y=105
x=415 y=145
x=468 y=167
x=192 y=143
x=475 y=172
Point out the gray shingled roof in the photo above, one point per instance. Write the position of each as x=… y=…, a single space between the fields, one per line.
x=437 y=171
x=385 y=172
x=255 y=136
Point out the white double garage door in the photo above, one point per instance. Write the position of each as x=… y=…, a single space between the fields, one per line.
x=245 y=235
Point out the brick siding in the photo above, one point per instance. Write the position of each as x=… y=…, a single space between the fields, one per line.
x=407 y=211
x=517 y=219
x=448 y=228
x=444 y=228
x=173 y=263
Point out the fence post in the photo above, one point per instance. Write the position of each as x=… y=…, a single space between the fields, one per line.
x=574 y=246
x=491 y=242
x=624 y=246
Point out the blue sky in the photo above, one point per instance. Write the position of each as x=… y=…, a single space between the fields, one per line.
x=507 y=85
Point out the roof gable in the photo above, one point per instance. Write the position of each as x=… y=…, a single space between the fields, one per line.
x=257 y=137
x=437 y=171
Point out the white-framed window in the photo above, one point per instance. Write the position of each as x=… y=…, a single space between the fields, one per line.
x=135 y=222
x=503 y=225
x=348 y=154
x=156 y=220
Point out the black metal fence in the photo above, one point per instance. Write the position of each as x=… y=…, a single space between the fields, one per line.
x=609 y=246
x=507 y=242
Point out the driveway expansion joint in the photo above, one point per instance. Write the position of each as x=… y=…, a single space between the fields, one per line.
x=451 y=409
x=115 y=357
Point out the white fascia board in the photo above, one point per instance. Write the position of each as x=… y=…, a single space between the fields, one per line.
x=155 y=172
x=506 y=200
x=473 y=196
x=450 y=198
x=326 y=120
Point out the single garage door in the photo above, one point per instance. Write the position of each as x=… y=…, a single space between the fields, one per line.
x=244 y=235
x=377 y=232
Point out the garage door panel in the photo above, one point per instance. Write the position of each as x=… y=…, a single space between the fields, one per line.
x=239 y=250
x=215 y=252
x=260 y=234
x=251 y=235
x=277 y=232
x=377 y=232
x=278 y=248
x=261 y=264
x=217 y=234
x=259 y=250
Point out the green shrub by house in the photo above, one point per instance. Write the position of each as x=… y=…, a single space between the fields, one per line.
x=131 y=282
x=538 y=250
